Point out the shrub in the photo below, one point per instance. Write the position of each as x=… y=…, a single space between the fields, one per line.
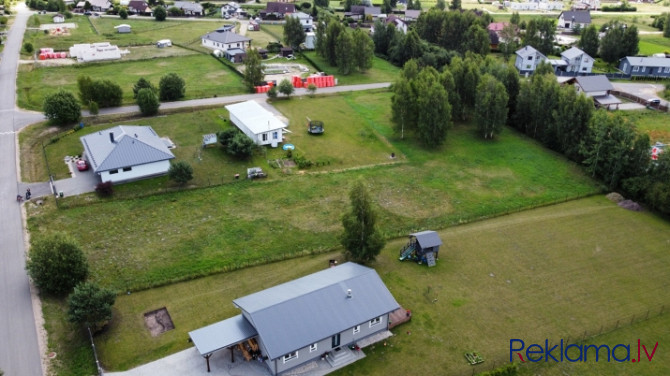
x=241 y=146
x=148 y=102
x=181 y=172
x=175 y=12
x=90 y=305
x=311 y=89
x=61 y=108
x=123 y=13
x=160 y=14
x=143 y=83
x=301 y=161
x=104 y=189
x=286 y=87
x=171 y=87
x=56 y=264
x=28 y=47
x=93 y=108
x=272 y=93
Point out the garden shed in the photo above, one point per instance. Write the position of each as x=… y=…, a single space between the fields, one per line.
x=123 y=28
x=256 y=122
x=423 y=247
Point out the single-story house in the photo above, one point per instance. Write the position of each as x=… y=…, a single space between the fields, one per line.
x=527 y=59
x=87 y=52
x=123 y=28
x=305 y=20
x=139 y=7
x=276 y=10
x=190 y=8
x=224 y=41
x=306 y=319
x=574 y=19
x=599 y=88
x=59 y=18
x=126 y=153
x=256 y=122
x=97 y=5
x=638 y=66
x=412 y=15
x=577 y=60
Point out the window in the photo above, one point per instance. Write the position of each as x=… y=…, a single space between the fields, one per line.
x=275 y=135
x=290 y=356
x=643 y=69
x=375 y=321
x=264 y=137
x=584 y=69
x=667 y=69
x=530 y=58
x=312 y=347
x=636 y=68
x=112 y=172
x=357 y=329
x=126 y=169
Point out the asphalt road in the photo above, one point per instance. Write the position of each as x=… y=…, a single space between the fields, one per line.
x=19 y=350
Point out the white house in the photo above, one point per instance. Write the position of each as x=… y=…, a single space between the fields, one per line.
x=190 y=8
x=229 y=9
x=59 y=18
x=123 y=28
x=126 y=153
x=99 y=5
x=574 y=19
x=319 y=316
x=577 y=60
x=257 y=123
x=305 y=20
x=224 y=41
x=87 y=52
x=310 y=41
x=527 y=59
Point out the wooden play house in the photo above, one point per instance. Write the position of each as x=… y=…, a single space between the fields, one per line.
x=423 y=247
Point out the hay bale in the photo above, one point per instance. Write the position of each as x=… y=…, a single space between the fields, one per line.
x=630 y=205
x=615 y=197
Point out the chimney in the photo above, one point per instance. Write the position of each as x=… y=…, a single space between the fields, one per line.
x=111 y=137
x=349 y=296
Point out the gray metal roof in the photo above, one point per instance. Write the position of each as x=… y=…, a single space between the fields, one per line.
x=225 y=37
x=133 y=146
x=306 y=310
x=594 y=83
x=529 y=50
x=222 y=334
x=427 y=239
x=188 y=5
x=573 y=52
x=579 y=16
x=648 y=61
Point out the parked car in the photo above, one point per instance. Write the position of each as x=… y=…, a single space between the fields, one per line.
x=82 y=165
x=255 y=173
x=87 y=13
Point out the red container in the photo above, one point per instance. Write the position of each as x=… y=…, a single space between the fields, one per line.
x=43 y=57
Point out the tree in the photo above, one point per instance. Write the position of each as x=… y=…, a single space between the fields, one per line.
x=349 y=3
x=589 y=41
x=240 y=146
x=87 y=6
x=61 y=108
x=28 y=47
x=123 y=13
x=272 y=93
x=148 y=102
x=286 y=87
x=666 y=26
x=311 y=89
x=320 y=45
x=143 y=83
x=175 y=12
x=159 y=13
x=181 y=172
x=106 y=93
x=361 y=240
x=571 y=120
x=363 y=49
x=515 y=19
x=85 y=86
x=253 y=70
x=619 y=41
x=90 y=305
x=294 y=33
x=56 y=264
x=490 y=106
x=509 y=37
x=93 y=108
x=432 y=108
x=455 y=5
x=387 y=8
x=333 y=31
x=477 y=40
x=171 y=87
x=344 y=53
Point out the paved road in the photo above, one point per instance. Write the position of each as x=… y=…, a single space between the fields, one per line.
x=19 y=350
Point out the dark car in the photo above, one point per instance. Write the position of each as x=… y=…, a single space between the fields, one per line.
x=87 y=13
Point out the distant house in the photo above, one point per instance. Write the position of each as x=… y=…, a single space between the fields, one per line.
x=533 y=5
x=586 y=5
x=123 y=28
x=361 y=12
x=99 y=5
x=276 y=10
x=256 y=122
x=225 y=41
x=637 y=66
x=599 y=88
x=412 y=15
x=527 y=59
x=574 y=19
x=495 y=30
x=189 y=8
x=126 y=153
x=316 y=318
x=139 y=7
x=399 y=24
x=305 y=20
x=59 y=18
x=577 y=60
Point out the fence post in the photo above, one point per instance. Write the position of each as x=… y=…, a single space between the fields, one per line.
x=95 y=353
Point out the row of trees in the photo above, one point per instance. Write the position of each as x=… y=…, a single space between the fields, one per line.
x=618 y=41
x=459 y=31
x=349 y=52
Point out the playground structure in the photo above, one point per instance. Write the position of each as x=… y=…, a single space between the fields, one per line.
x=314 y=126
x=423 y=247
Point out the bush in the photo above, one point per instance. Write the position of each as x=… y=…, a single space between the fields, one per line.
x=171 y=87
x=181 y=172
x=241 y=146
x=148 y=102
x=104 y=189
x=93 y=108
x=175 y=12
x=160 y=14
x=286 y=87
x=301 y=161
x=105 y=92
x=272 y=93
x=123 y=13
x=28 y=47
x=311 y=89
x=61 y=108
x=56 y=264
x=143 y=83
x=90 y=305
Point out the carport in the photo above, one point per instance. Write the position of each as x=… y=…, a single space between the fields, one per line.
x=221 y=335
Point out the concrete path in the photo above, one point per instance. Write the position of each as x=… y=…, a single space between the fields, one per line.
x=19 y=346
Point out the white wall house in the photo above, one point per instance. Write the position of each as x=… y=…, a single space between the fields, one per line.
x=126 y=153
x=305 y=20
x=257 y=123
x=574 y=19
x=577 y=60
x=527 y=59
x=225 y=41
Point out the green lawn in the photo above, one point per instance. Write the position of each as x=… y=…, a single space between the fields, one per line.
x=210 y=79
x=552 y=272
x=381 y=71
x=653 y=44
x=655 y=123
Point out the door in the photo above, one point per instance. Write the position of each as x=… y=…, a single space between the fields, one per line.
x=336 y=340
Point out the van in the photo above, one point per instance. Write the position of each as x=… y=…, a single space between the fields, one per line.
x=164 y=43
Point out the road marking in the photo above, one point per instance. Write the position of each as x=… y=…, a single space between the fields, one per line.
x=4 y=133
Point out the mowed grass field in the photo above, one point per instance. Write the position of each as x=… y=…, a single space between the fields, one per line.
x=654 y=123
x=552 y=272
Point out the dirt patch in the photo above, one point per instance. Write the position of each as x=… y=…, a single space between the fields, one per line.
x=615 y=197
x=158 y=321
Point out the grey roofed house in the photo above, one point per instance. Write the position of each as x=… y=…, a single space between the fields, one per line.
x=225 y=37
x=412 y=14
x=645 y=66
x=572 y=53
x=571 y=18
x=189 y=7
x=132 y=151
x=594 y=83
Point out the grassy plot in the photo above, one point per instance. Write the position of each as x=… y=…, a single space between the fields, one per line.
x=381 y=71
x=655 y=123
x=653 y=44
x=551 y=272
x=211 y=78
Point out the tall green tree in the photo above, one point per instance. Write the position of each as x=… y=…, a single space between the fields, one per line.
x=294 y=33
x=432 y=108
x=589 y=41
x=61 y=108
x=490 y=106
x=666 y=26
x=171 y=87
x=509 y=40
x=540 y=34
x=333 y=31
x=441 y=5
x=344 y=53
x=571 y=120
x=409 y=47
x=90 y=305
x=619 y=41
x=515 y=19
x=143 y=83
x=362 y=50
x=536 y=102
x=160 y=14
x=477 y=40
x=455 y=5
x=253 y=69
x=320 y=34
x=361 y=239
x=56 y=263
x=286 y=87
x=148 y=102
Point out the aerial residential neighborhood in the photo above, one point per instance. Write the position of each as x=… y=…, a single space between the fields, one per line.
x=359 y=188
